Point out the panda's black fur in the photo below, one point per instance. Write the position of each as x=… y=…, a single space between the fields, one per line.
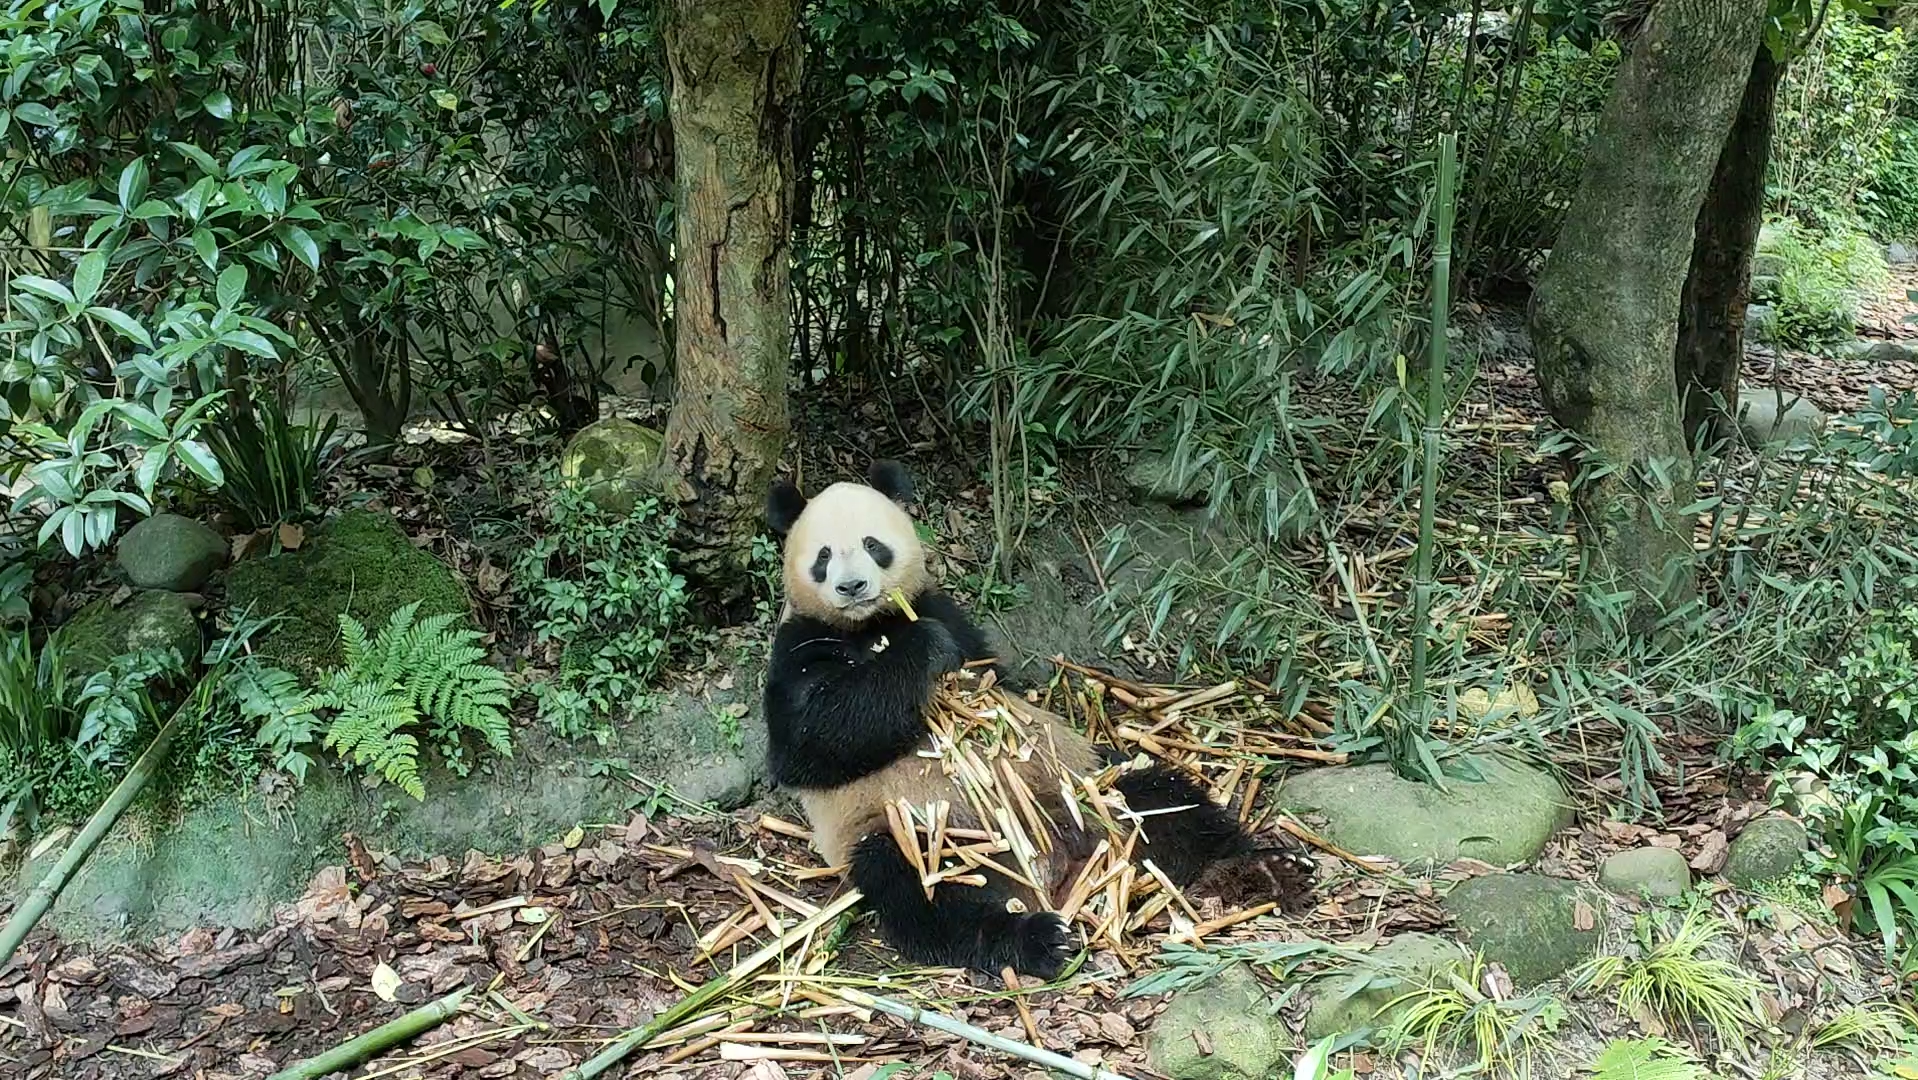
x=845 y=702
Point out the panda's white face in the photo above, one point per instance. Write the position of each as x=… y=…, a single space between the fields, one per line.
x=850 y=550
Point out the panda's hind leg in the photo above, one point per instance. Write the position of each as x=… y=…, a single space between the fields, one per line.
x=961 y=925
x=1201 y=846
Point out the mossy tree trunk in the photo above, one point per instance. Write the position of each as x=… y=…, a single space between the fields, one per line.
x=1605 y=314
x=1711 y=317
x=735 y=77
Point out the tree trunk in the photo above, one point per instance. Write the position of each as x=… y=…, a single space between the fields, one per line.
x=1711 y=316
x=735 y=74
x=1605 y=314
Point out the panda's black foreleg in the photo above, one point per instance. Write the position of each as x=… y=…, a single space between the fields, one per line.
x=1197 y=843
x=961 y=925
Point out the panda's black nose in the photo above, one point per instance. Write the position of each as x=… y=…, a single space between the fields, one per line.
x=850 y=588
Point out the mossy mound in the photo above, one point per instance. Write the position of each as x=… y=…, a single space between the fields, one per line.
x=152 y=620
x=359 y=564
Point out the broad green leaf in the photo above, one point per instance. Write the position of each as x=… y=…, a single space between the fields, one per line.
x=125 y=325
x=199 y=157
x=46 y=287
x=73 y=535
x=207 y=247
x=232 y=286
x=249 y=342
x=147 y=474
x=142 y=419
x=133 y=183
x=32 y=112
x=88 y=276
x=197 y=458
x=194 y=199
x=150 y=209
x=217 y=104
x=300 y=243
x=446 y=99
x=430 y=32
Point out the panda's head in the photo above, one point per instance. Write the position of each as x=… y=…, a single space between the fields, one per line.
x=849 y=548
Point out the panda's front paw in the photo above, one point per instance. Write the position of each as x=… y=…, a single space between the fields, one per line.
x=1045 y=944
x=942 y=648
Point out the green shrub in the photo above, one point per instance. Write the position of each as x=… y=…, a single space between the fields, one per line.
x=1835 y=114
x=275 y=470
x=1816 y=280
x=429 y=673
x=1851 y=729
x=1890 y=199
x=601 y=590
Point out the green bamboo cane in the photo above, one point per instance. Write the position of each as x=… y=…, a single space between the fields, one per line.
x=40 y=898
x=1434 y=421
x=382 y=1038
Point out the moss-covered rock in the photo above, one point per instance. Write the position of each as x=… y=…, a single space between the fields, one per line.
x=1505 y=817
x=167 y=551
x=615 y=461
x=152 y=620
x=1362 y=999
x=1767 y=850
x=1660 y=873
x=1220 y=1030
x=1526 y=922
x=359 y=564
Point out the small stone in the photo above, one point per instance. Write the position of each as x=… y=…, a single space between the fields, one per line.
x=1657 y=872
x=167 y=551
x=1220 y=1030
x=615 y=461
x=1401 y=964
x=1766 y=417
x=1527 y=923
x=1505 y=817
x=1767 y=850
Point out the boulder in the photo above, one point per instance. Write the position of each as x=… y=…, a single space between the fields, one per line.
x=1876 y=352
x=1761 y=323
x=1503 y=818
x=154 y=620
x=1656 y=872
x=1764 y=419
x=1899 y=253
x=1767 y=850
x=167 y=551
x=1153 y=478
x=615 y=461
x=1223 y=1029
x=1527 y=923
x=360 y=564
x=1364 y=1000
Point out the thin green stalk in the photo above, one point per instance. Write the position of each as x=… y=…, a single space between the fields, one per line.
x=380 y=1039
x=40 y=898
x=1434 y=422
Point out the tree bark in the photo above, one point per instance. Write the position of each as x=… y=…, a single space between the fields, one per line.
x=735 y=77
x=1605 y=314
x=1711 y=317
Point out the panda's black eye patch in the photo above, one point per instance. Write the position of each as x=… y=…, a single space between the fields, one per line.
x=880 y=553
x=819 y=565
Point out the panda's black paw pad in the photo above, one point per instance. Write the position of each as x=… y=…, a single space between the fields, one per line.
x=1044 y=944
x=1270 y=872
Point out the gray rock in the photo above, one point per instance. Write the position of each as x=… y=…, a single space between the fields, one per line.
x=1230 y=1017
x=151 y=621
x=1363 y=999
x=1764 y=419
x=1767 y=850
x=1876 y=352
x=1761 y=323
x=1153 y=478
x=167 y=551
x=1660 y=873
x=1502 y=819
x=1525 y=922
x=1899 y=253
x=615 y=460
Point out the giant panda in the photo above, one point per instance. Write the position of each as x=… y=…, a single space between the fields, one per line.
x=847 y=689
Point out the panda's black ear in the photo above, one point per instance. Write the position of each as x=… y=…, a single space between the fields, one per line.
x=784 y=504
x=890 y=479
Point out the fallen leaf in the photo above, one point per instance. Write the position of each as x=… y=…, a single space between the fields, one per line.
x=291 y=536
x=386 y=982
x=574 y=836
x=1583 y=917
x=1712 y=851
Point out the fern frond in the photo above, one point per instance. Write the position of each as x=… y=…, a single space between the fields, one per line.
x=1645 y=1059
